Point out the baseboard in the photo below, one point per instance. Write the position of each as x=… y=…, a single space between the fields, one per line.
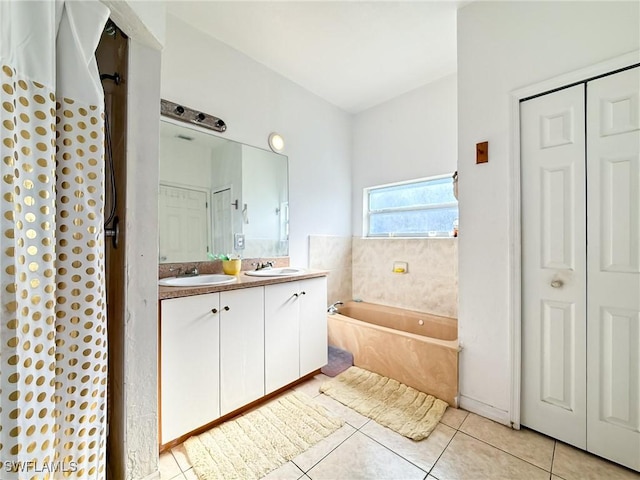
x=484 y=410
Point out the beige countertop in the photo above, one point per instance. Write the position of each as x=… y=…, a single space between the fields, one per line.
x=244 y=281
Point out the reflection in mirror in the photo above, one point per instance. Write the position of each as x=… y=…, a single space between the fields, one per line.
x=218 y=196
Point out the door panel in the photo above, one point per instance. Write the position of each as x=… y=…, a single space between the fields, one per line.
x=554 y=276
x=613 y=265
x=184 y=226
x=619 y=214
x=558 y=217
x=558 y=347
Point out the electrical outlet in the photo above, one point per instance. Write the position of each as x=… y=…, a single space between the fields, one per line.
x=238 y=241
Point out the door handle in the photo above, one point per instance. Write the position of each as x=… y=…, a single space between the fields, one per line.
x=557 y=283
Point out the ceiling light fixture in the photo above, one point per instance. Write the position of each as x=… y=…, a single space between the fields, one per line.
x=276 y=142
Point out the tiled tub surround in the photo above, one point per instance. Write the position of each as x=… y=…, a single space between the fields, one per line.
x=431 y=284
x=417 y=349
x=334 y=255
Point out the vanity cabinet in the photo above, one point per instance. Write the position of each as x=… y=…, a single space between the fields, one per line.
x=295 y=330
x=221 y=351
x=189 y=362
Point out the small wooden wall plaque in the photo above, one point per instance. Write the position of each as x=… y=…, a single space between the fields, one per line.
x=482 y=152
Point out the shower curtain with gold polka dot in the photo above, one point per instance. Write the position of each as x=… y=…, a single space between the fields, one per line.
x=53 y=352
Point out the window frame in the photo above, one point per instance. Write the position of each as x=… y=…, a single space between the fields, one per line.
x=366 y=212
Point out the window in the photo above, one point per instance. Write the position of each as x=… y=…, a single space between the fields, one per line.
x=419 y=208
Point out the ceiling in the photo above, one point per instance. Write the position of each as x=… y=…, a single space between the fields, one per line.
x=354 y=54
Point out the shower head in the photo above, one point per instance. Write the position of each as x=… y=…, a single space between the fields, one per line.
x=110 y=28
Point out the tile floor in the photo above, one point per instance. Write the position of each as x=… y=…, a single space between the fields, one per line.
x=463 y=446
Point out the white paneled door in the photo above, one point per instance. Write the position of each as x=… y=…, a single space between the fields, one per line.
x=580 y=150
x=553 y=265
x=613 y=266
x=184 y=224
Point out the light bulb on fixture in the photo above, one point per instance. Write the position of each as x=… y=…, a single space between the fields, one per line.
x=276 y=142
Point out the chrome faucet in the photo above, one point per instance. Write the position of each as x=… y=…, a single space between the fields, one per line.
x=190 y=272
x=333 y=308
x=262 y=265
x=178 y=269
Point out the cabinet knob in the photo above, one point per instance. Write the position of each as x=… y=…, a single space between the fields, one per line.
x=303 y=293
x=214 y=310
x=226 y=308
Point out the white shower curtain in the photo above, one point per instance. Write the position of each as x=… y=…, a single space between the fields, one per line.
x=53 y=352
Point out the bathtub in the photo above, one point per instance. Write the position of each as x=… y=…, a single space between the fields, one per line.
x=417 y=349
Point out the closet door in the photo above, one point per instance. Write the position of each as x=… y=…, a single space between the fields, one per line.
x=613 y=258
x=553 y=265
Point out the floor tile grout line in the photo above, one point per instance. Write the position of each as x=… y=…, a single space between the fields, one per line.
x=394 y=452
x=553 y=458
x=328 y=453
x=504 y=451
x=178 y=463
x=442 y=452
x=513 y=455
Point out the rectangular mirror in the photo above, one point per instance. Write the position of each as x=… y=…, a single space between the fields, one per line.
x=219 y=196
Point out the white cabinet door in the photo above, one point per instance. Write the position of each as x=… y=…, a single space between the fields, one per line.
x=189 y=364
x=241 y=347
x=313 y=324
x=282 y=335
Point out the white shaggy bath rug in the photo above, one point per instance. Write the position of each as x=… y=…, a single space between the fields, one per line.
x=403 y=409
x=262 y=440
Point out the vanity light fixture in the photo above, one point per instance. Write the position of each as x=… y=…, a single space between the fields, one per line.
x=276 y=142
x=189 y=115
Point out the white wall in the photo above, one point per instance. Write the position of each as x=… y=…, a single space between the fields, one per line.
x=260 y=192
x=185 y=163
x=504 y=46
x=227 y=164
x=141 y=263
x=201 y=72
x=409 y=137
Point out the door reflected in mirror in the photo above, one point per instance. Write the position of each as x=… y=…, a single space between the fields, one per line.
x=219 y=196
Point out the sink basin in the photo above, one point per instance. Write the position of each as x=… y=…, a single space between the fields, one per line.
x=197 y=281
x=275 y=272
